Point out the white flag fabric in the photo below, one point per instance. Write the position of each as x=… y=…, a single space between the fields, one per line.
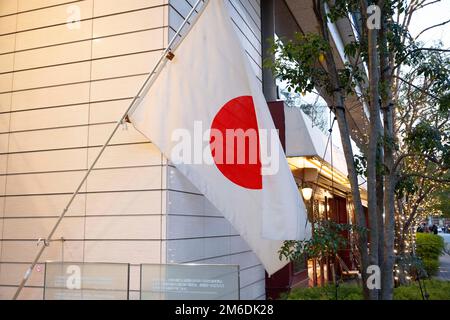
x=207 y=89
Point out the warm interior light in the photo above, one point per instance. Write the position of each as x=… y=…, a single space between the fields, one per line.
x=307 y=193
x=321 y=208
x=328 y=194
x=324 y=168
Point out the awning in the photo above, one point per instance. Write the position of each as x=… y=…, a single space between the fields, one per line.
x=303 y=139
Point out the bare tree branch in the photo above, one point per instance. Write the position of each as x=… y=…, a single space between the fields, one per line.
x=446 y=181
x=415 y=155
x=416 y=87
x=423 y=5
x=432 y=27
x=416 y=50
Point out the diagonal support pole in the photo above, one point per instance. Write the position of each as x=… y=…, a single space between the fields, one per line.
x=167 y=55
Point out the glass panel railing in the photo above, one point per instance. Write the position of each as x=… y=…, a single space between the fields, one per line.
x=86 y=281
x=189 y=282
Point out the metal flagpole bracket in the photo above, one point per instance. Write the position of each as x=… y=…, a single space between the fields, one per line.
x=124 y=124
x=170 y=55
x=42 y=240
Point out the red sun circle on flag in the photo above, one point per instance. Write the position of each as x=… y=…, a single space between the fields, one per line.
x=235 y=143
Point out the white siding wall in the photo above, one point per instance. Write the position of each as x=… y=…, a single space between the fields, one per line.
x=61 y=90
x=196 y=231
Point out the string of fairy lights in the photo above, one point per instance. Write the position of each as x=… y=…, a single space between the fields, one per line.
x=406 y=231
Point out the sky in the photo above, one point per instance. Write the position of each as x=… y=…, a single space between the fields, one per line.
x=431 y=15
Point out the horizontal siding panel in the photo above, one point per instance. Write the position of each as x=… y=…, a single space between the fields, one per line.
x=244 y=25
x=70 y=137
x=48 y=97
x=4 y=141
x=5 y=102
x=177 y=181
x=135 y=227
x=116 y=88
x=25 y=251
x=190 y=204
x=254 y=290
x=134 y=252
x=49 y=118
x=66 y=53
x=43 y=183
x=123 y=203
x=124 y=179
x=3 y=184
x=256 y=5
x=185 y=203
x=251 y=275
x=193 y=250
x=35 y=228
x=250 y=15
x=215 y=227
x=119 y=156
x=124 y=65
x=48 y=139
x=8 y=24
x=12 y=273
x=108 y=111
x=54 y=15
x=244 y=259
x=25 y=5
x=47 y=161
x=43 y=205
x=179 y=227
x=53 y=35
x=52 y=76
x=104 y=7
x=4 y=122
x=3 y=164
x=216 y=260
x=237 y=244
x=128 y=22
x=99 y=133
x=7 y=43
x=6 y=62
x=6 y=81
x=128 y=43
x=181 y=251
x=7 y=293
x=8 y=7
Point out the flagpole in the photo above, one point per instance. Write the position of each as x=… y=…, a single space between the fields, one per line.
x=165 y=56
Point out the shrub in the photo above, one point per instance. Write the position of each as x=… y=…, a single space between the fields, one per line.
x=436 y=289
x=428 y=248
x=431 y=266
x=410 y=292
x=345 y=292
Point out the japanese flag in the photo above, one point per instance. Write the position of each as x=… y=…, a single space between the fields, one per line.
x=206 y=112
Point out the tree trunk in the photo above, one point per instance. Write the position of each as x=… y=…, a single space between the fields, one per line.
x=387 y=276
x=372 y=150
x=356 y=196
x=380 y=211
x=337 y=102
